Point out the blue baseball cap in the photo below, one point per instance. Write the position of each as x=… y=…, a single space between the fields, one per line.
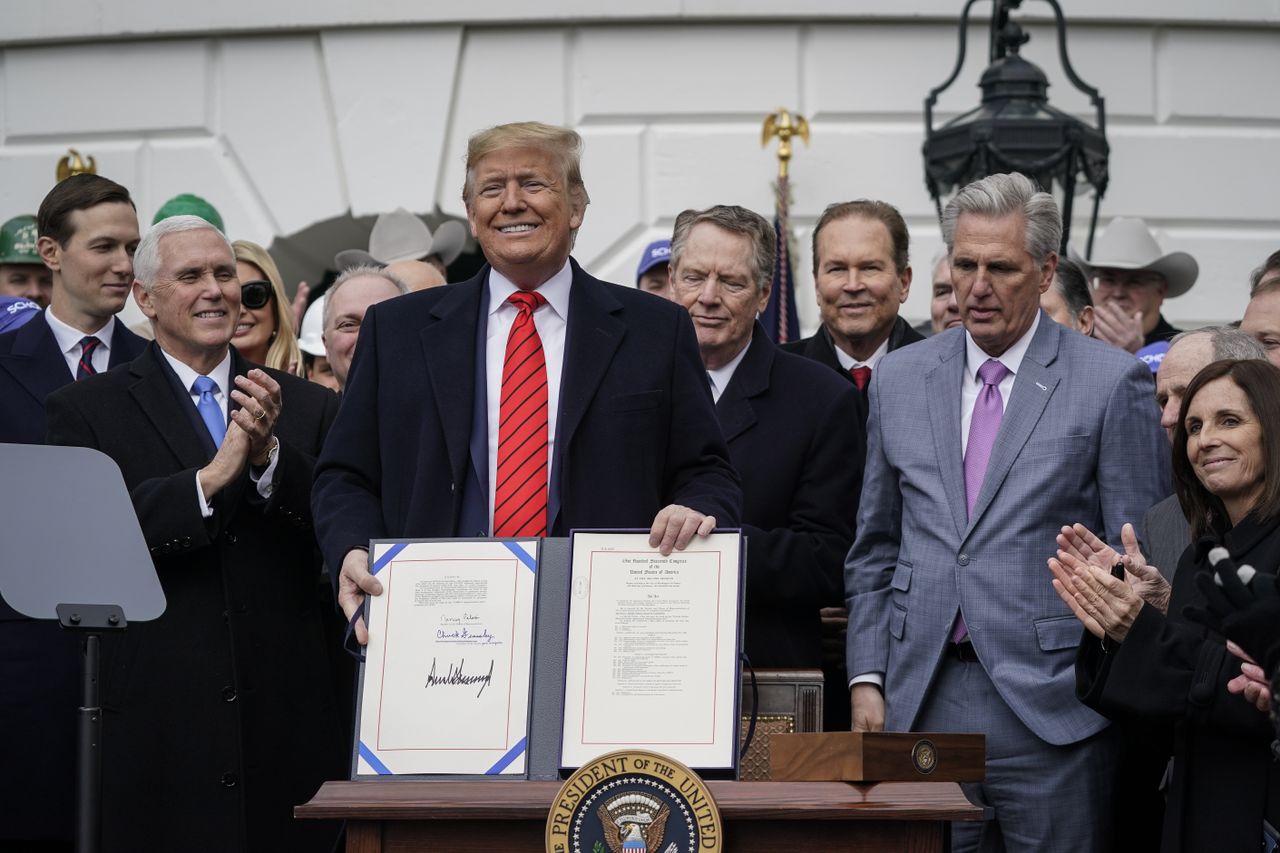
x=15 y=311
x=657 y=252
x=1153 y=354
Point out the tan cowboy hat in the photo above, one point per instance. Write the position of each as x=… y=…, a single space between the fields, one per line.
x=1127 y=244
x=401 y=236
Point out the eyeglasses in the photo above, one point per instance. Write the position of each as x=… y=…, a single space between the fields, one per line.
x=255 y=294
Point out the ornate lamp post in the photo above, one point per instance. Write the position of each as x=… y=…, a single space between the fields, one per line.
x=1015 y=129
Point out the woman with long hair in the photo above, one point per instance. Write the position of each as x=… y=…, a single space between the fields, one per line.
x=264 y=333
x=1144 y=661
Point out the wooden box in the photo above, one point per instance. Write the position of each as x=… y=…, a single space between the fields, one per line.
x=878 y=757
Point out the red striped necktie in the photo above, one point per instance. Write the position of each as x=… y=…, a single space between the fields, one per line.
x=87 y=345
x=520 y=498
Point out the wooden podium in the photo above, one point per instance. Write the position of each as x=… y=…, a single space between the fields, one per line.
x=406 y=815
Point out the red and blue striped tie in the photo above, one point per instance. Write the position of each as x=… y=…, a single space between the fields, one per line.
x=85 y=368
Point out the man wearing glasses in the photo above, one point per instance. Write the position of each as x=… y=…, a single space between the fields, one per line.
x=1131 y=280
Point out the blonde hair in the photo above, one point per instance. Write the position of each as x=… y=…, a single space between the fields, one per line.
x=283 y=353
x=562 y=143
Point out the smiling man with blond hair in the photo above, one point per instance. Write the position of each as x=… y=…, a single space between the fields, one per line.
x=536 y=398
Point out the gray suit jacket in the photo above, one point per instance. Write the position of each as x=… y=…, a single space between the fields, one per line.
x=1165 y=534
x=1080 y=442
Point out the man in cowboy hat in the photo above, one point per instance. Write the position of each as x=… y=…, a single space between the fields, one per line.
x=400 y=236
x=1131 y=280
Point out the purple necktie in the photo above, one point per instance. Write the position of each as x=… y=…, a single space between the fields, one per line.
x=983 y=427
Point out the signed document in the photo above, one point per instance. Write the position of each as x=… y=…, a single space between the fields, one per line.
x=445 y=683
x=653 y=649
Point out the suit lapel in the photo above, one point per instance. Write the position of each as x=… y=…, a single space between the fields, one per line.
x=751 y=379
x=125 y=345
x=449 y=347
x=1032 y=388
x=591 y=338
x=942 y=387
x=154 y=389
x=35 y=360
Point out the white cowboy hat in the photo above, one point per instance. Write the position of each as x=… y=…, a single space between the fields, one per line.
x=1127 y=244
x=401 y=236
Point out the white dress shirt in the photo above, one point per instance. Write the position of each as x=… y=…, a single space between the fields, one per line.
x=721 y=376
x=221 y=376
x=551 y=320
x=848 y=362
x=69 y=338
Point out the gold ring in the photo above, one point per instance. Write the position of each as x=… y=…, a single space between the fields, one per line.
x=261 y=415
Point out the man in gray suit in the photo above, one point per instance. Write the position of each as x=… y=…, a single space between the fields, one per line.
x=953 y=623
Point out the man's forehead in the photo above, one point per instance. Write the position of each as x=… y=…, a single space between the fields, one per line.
x=357 y=294
x=517 y=159
x=978 y=229
x=200 y=247
x=1185 y=359
x=108 y=214
x=1135 y=276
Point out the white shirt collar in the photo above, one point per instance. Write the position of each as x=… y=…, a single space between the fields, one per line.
x=555 y=290
x=69 y=337
x=848 y=362
x=187 y=375
x=975 y=357
x=721 y=376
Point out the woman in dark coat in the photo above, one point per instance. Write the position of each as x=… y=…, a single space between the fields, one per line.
x=1141 y=659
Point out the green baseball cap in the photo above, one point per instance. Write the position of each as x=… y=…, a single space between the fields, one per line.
x=18 y=241
x=190 y=205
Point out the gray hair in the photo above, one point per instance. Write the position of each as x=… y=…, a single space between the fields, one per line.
x=1073 y=286
x=1272 y=263
x=1002 y=195
x=358 y=271
x=736 y=220
x=1228 y=342
x=146 y=259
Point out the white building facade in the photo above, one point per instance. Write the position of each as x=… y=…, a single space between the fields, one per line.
x=294 y=117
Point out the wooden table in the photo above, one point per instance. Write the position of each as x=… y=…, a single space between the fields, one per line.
x=405 y=815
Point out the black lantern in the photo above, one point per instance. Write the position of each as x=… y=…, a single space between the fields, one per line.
x=1015 y=129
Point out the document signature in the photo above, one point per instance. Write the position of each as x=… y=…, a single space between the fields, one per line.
x=475 y=636
x=456 y=677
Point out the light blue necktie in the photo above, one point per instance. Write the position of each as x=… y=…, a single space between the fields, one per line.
x=209 y=409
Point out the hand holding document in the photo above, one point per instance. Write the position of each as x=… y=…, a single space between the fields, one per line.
x=653 y=649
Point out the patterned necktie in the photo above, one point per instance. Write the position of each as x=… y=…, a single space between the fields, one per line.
x=210 y=411
x=983 y=427
x=85 y=368
x=861 y=376
x=520 y=498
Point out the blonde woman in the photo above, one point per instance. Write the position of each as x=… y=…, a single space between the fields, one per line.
x=264 y=333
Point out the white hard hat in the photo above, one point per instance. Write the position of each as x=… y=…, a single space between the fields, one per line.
x=310 y=340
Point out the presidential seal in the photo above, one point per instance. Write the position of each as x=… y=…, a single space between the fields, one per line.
x=633 y=802
x=924 y=755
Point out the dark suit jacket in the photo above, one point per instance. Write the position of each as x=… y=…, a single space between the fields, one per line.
x=636 y=430
x=219 y=715
x=800 y=482
x=39 y=660
x=820 y=347
x=1173 y=673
